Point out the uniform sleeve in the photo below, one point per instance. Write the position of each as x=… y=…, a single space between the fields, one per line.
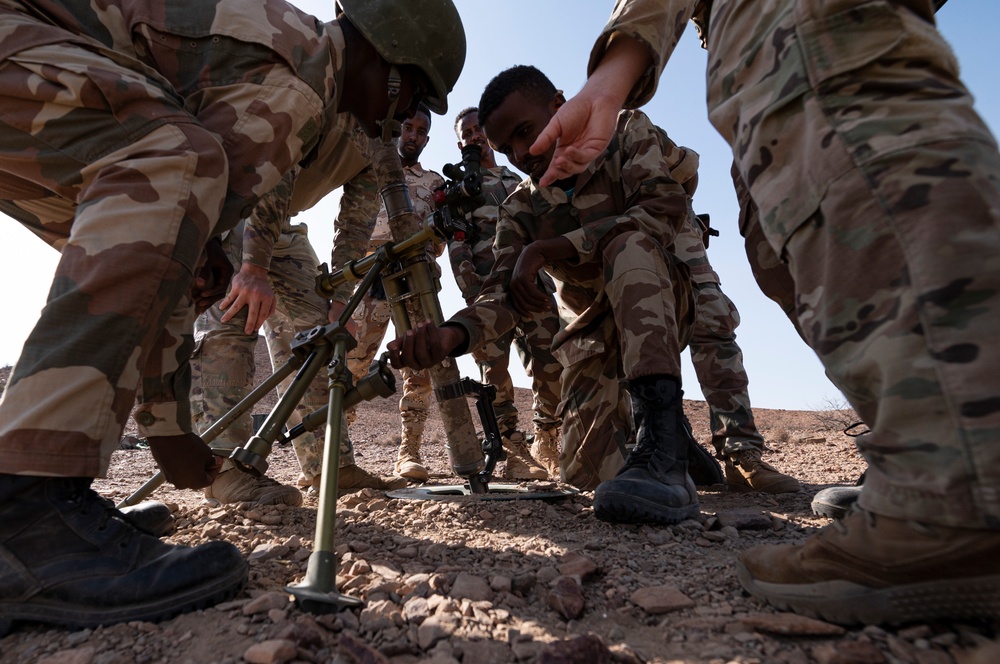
x=352 y=229
x=492 y=315
x=424 y=206
x=263 y=228
x=657 y=23
x=462 y=267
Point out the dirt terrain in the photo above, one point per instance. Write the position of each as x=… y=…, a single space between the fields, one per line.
x=464 y=579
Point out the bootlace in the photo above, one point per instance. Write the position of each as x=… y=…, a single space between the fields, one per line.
x=747 y=459
x=640 y=455
x=86 y=500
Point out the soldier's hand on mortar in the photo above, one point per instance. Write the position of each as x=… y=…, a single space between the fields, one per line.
x=186 y=461
x=251 y=289
x=211 y=277
x=425 y=346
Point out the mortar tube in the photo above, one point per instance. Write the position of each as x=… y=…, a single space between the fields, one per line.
x=464 y=450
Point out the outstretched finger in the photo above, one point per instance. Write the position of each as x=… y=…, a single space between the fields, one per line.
x=549 y=136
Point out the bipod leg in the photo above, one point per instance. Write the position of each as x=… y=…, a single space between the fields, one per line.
x=252 y=457
x=318 y=591
x=378 y=383
x=220 y=425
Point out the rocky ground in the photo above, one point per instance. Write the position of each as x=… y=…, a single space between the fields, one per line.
x=470 y=580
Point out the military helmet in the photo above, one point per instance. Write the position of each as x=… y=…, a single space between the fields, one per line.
x=425 y=33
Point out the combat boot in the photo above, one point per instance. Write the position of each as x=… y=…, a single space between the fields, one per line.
x=520 y=464
x=653 y=486
x=834 y=501
x=408 y=462
x=545 y=450
x=875 y=570
x=151 y=517
x=746 y=471
x=235 y=486
x=702 y=466
x=354 y=478
x=67 y=558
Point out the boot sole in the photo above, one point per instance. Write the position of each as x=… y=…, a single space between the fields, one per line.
x=828 y=510
x=76 y=616
x=615 y=507
x=846 y=603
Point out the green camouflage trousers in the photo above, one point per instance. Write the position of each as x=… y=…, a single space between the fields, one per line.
x=718 y=363
x=891 y=237
x=372 y=319
x=532 y=339
x=647 y=319
x=223 y=361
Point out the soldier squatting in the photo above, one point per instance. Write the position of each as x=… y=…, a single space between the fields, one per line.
x=140 y=112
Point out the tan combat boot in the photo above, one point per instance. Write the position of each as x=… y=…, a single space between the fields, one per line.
x=408 y=463
x=875 y=570
x=545 y=450
x=745 y=471
x=235 y=486
x=354 y=478
x=520 y=465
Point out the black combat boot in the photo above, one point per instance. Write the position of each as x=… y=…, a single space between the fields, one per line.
x=67 y=558
x=702 y=466
x=151 y=517
x=653 y=486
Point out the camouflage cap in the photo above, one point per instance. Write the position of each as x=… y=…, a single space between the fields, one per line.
x=425 y=33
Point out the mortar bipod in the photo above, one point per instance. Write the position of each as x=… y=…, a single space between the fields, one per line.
x=411 y=284
x=315 y=348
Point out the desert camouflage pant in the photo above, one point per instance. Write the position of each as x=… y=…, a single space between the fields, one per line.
x=372 y=319
x=718 y=363
x=647 y=320
x=130 y=202
x=533 y=341
x=891 y=239
x=108 y=166
x=223 y=361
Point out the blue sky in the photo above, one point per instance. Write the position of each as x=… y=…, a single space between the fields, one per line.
x=556 y=36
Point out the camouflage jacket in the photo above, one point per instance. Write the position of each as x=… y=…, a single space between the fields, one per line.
x=689 y=245
x=341 y=159
x=626 y=189
x=472 y=257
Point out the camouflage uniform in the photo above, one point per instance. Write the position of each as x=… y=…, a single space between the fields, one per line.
x=373 y=315
x=852 y=183
x=223 y=361
x=471 y=263
x=130 y=135
x=631 y=295
x=717 y=358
